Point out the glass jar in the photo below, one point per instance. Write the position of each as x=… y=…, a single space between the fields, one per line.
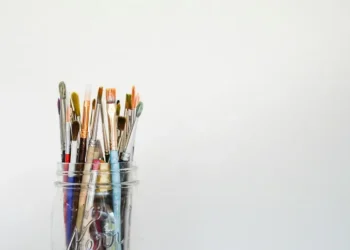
x=92 y=206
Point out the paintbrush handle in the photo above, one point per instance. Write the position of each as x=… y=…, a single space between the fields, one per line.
x=82 y=150
x=71 y=191
x=83 y=189
x=73 y=153
x=87 y=218
x=115 y=170
x=90 y=155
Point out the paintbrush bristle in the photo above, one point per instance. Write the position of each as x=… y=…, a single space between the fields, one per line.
x=59 y=106
x=76 y=103
x=139 y=109
x=118 y=109
x=128 y=101
x=99 y=95
x=121 y=123
x=133 y=97
x=75 y=130
x=94 y=104
x=62 y=90
x=110 y=95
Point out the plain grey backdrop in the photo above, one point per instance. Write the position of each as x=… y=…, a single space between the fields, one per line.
x=245 y=137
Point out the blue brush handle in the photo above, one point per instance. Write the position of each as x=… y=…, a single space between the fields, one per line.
x=114 y=161
x=69 y=223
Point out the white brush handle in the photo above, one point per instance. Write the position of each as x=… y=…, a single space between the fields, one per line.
x=73 y=157
x=67 y=137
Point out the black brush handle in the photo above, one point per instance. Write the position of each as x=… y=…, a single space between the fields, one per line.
x=107 y=156
x=63 y=156
x=82 y=151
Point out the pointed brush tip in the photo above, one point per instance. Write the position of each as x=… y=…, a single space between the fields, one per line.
x=99 y=95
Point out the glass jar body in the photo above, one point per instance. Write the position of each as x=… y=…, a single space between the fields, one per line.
x=92 y=208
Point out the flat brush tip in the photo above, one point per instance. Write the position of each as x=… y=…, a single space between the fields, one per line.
x=76 y=103
x=110 y=95
x=75 y=130
x=121 y=122
x=139 y=109
x=99 y=95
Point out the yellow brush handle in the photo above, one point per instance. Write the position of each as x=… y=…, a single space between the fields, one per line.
x=83 y=189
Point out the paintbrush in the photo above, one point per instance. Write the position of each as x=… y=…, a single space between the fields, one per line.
x=133 y=103
x=121 y=131
x=62 y=91
x=76 y=105
x=61 y=130
x=89 y=159
x=92 y=114
x=70 y=212
x=67 y=150
x=68 y=131
x=127 y=154
x=114 y=162
x=84 y=125
x=104 y=132
x=82 y=149
x=129 y=111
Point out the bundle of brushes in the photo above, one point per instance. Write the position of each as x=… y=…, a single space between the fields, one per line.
x=82 y=151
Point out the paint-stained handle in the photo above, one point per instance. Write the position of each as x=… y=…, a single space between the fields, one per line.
x=115 y=169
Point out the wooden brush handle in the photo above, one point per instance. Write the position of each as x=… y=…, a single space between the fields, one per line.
x=82 y=151
x=84 y=190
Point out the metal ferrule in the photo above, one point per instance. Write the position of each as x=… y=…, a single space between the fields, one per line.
x=85 y=121
x=112 y=126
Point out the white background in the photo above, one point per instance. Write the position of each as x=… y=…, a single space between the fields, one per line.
x=245 y=137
